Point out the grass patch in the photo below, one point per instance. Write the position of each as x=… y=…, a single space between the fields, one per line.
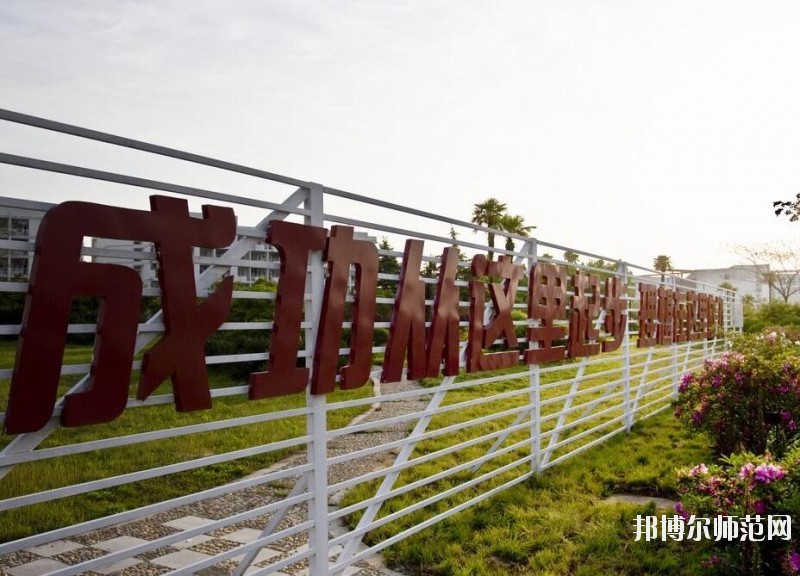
x=557 y=523
x=52 y=473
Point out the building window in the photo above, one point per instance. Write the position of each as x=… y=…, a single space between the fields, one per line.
x=20 y=228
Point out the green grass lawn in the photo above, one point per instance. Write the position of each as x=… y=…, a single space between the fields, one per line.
x=32 y=477
x=557 y=523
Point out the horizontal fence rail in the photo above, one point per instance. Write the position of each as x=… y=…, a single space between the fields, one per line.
x=437 y=373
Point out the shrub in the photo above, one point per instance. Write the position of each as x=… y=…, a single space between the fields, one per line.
x=748 y=399
x=772 y=314
x=747 y=487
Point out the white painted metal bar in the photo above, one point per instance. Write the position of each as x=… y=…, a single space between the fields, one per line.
x=245 y=563
x=388 y=481
x=75 y=489
x=317 y=421
x=138 y=513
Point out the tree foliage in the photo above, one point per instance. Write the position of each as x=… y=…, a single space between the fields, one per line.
x=514 y=225
x=788 y=208
x=662 y=263
x=489 y=213
x=571 y=256
x=494 y=214
x=387 y=264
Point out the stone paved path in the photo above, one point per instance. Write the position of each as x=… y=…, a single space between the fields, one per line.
x=59 y=554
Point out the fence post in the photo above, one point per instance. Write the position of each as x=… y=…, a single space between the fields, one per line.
x=316 y=421
x=622 y=272
x=534 y=381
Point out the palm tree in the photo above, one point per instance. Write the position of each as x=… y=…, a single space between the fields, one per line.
x=663 y=264
x=489 y=213
x=514 y=225
x=571 y=256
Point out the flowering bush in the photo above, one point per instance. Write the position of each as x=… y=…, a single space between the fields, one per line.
x=748 y=398
x=746 y=486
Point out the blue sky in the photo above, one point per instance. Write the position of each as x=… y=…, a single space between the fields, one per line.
x=625 y=128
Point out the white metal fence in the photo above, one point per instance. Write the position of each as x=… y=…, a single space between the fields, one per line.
x=404 y=456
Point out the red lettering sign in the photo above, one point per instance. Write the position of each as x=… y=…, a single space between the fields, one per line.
x=616 y=320
x=648 y=314
x=294 y=243
x=547 y=302
x=59 y=275
x=342 y=251
x=501 y=324
x=583 y=334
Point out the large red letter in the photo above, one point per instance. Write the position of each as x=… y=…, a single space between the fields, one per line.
x=340 y=252
x=407 y=330
x=443 y=335
x=294 y=243
x=58 y=276
x=547 y=302
x=179 y=355
x=501 y=324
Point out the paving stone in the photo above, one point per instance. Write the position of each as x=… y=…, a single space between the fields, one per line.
x=36 y=568
x=54 y=548
x=188 y=522
x=244 y=536
x=263 y=555
x=120 y=566
x=193 y=541
x=120 y=543
x=180 y=559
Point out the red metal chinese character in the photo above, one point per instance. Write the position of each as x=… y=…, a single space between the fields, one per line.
x=616 y=320
x=58 y=276
x=179 y=354
x=701 y=317
x=342 y=251
x=666 y=315
x=547 y=302
x=648 y=314
x=691 y=315
x=442 y=342
x=501 y=324
x=294 y=243
x=407 y=330
x=583 y=334
x=681 y=317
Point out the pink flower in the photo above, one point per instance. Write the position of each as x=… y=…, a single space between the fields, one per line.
x=747 y=470
x=760 y=506
x=681 y=511
x=768 y=473
x=699 y=469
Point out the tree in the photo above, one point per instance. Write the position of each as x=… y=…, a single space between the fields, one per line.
x=788 y=208
x=489 y=213
x=571 y=256
x=775 y=264
x=663 y=264
x=387 y=264
x=514 y=225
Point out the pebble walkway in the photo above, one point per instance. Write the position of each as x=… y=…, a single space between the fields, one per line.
x=80 y=548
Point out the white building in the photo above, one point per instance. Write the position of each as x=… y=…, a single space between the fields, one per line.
x=17 y=224
x=745 y=278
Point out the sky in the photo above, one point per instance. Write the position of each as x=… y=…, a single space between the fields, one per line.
x=624 y=128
